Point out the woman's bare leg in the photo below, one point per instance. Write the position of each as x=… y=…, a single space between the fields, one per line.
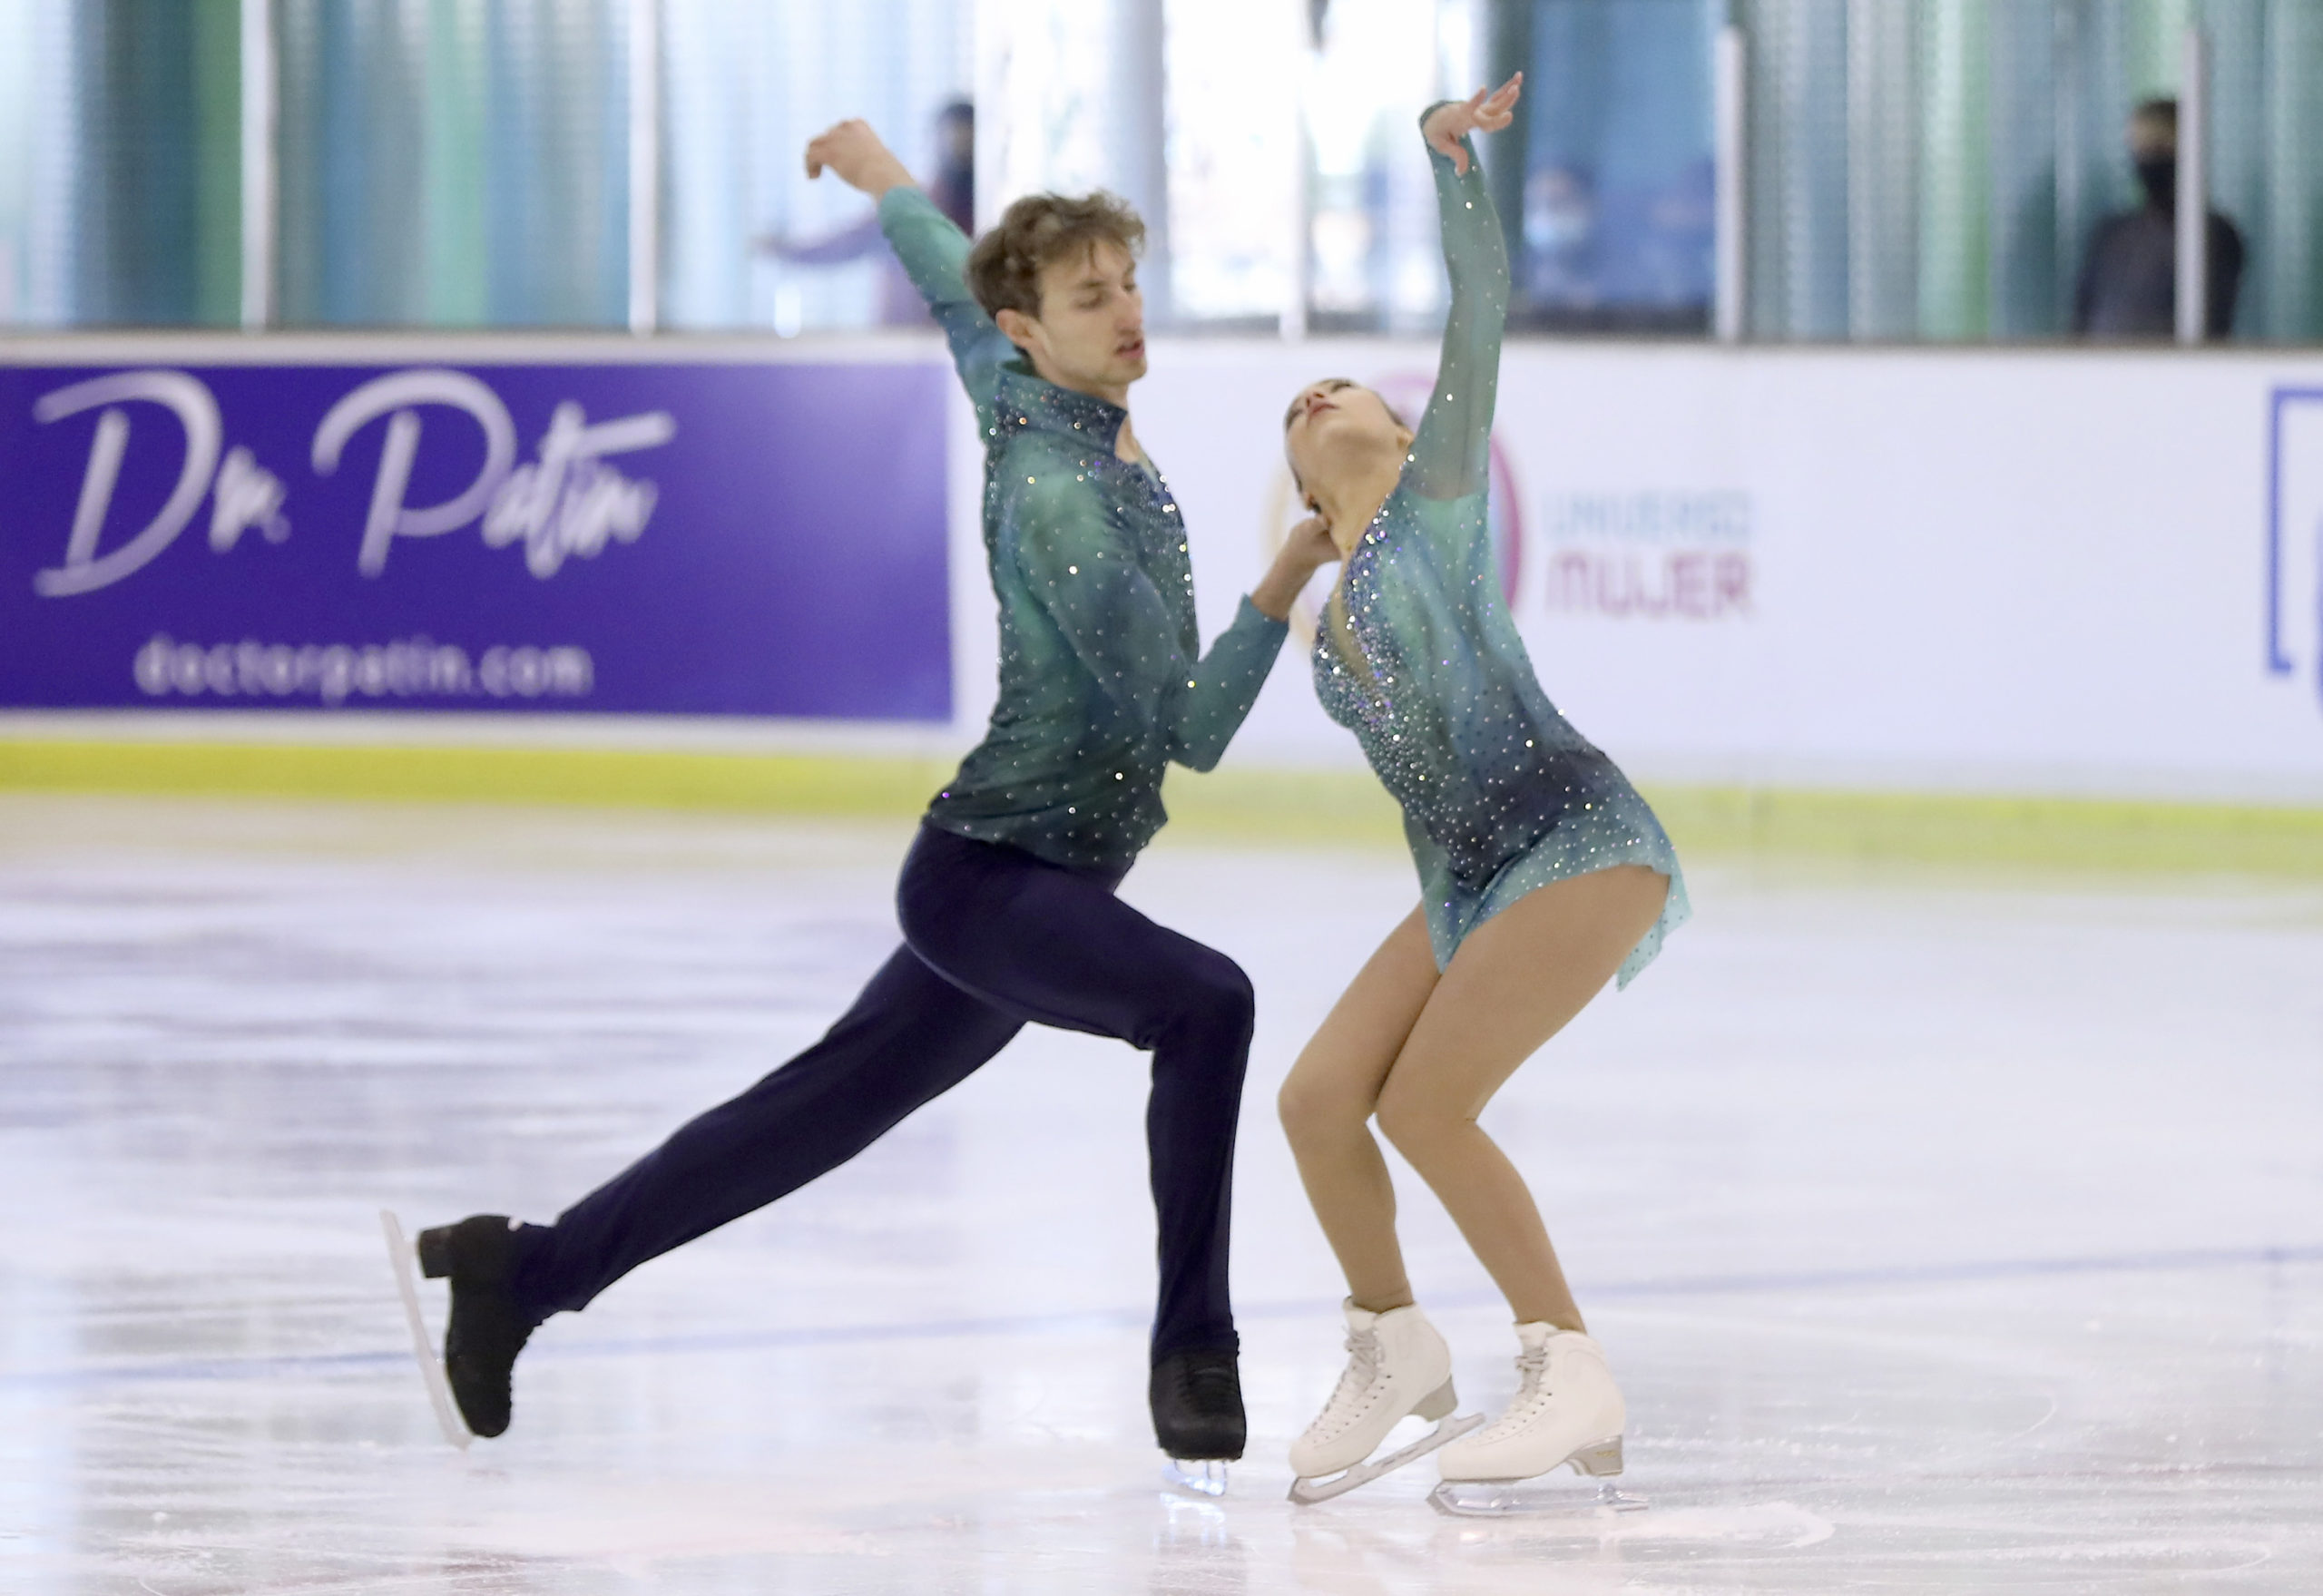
x=1516 y=982
x=1326 y=1104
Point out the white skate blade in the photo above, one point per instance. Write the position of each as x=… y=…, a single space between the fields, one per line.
x=1522 y=1498
x=404 y=1261
x=1599 y=1460
x=1307 y=1492
x=1203 y=1477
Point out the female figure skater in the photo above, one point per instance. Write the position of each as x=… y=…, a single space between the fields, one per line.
x=1543 y=874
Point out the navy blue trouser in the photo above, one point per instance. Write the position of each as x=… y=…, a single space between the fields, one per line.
x=993 y=937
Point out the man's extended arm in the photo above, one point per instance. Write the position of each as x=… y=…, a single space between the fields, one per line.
x=934 y=253
x=933 y=250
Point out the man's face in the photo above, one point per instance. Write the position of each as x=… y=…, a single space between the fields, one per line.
x=1090 y=334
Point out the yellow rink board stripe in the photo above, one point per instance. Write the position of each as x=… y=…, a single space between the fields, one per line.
x=1325 y=808
x=601 y=777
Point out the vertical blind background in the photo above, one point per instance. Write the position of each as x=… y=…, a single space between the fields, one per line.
x=119 y=162
x=1917 y=168
x=452 y=162
x=1933 y=168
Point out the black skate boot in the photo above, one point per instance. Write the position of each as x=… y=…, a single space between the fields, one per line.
x=1197 y=1398
x=487 y=1331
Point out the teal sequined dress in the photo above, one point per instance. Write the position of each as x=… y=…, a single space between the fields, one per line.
x=1102 y=681
x=1418 y=657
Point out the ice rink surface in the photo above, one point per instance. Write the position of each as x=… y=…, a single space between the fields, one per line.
x=1949 y=1231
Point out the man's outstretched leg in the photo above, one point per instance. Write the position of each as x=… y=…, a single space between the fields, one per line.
x=910 y=1036
x=1056 y=946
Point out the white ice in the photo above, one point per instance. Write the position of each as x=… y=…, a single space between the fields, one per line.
x=1949 y=1231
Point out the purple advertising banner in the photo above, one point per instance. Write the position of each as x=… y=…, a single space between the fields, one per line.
x=696 y=539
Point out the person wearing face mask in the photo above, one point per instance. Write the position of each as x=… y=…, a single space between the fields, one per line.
x=1562 y=265
x=1543 y=875
x=1006 y=898
x=2129 y=282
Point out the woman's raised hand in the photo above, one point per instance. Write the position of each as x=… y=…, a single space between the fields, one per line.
x=1487 y=111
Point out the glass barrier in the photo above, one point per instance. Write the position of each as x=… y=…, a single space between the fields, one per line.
x=1233 y=143
x=120 y=149
x=1963 y=170
x=746 y=239
x=1374 y=259
x=1614 y=222
x=1913 y=169
x=458 y=164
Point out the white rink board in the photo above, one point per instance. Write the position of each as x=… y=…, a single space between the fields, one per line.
x=2005 y=570
x=2075 y=571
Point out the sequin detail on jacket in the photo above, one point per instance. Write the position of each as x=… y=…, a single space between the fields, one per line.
x=1102 y=681
x=1419 y=655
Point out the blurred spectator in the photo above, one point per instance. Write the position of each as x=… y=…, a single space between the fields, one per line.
x=1561 y=265
x=1675 y=240
x=953 y=188
x=2129 y=284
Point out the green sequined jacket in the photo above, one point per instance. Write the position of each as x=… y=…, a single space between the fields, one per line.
x=1102 y=681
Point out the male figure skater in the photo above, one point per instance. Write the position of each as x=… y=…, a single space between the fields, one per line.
x=1006 y=898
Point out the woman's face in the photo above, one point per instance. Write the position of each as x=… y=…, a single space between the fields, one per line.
x=1337 y=422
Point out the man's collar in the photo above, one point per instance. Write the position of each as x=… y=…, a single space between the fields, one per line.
x=1034 y=402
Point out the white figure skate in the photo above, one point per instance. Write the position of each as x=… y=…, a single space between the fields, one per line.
x=1396 y=1365
x=404 y=1261
x=1567 y=1412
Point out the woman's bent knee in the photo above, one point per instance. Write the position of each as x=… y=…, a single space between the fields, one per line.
x=1418 y=1129
x=1313 y=1109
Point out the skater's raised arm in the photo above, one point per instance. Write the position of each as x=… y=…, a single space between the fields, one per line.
x=933 y=250
x=1450 y=456
x=1118 y=624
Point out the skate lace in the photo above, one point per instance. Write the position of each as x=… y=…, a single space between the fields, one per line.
x=1357 y=1379
x=1532 y=1393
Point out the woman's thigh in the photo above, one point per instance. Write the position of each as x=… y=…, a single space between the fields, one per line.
x=1518 y=980
x=1347 y=1061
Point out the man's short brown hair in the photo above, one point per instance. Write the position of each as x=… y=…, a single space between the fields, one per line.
x=1039 y=231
